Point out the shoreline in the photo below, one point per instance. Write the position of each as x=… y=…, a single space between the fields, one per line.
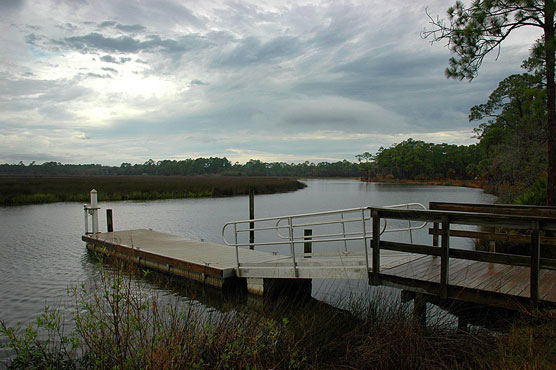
x=446 y=182
x=17 y=190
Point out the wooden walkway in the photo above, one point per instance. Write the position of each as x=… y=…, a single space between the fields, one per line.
x=473 y=281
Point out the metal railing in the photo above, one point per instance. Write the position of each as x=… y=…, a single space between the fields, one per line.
x=354 y=218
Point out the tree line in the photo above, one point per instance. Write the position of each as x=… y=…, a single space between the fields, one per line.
x=418 y=160
x=187 y=167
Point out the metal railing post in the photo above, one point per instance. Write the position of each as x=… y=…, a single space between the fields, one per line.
x=237 y=251
x=292 y=245
x=344 y=232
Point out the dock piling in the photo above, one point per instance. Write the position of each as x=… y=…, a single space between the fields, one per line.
x=252 y=217
x=109 y=221
x=308 y=245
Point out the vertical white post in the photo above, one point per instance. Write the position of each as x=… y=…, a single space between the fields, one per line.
x=86 y=219
x=94 y=207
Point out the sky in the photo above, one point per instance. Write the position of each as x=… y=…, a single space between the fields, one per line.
x=113 y=81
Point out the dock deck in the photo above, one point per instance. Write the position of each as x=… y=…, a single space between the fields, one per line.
x=214 y=263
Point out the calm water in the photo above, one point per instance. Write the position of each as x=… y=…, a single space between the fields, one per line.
x=41 y=252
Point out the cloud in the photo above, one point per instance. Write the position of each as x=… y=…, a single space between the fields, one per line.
x=252 y=51
x=280 y=80
x=111 y=59
x=107 y=69
x=131 y=28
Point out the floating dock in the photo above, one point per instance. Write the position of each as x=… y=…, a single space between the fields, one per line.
x=216 y=264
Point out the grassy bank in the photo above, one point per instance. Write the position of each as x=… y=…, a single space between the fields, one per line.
x=121 y=323
x=442 y=182
x=22 y=190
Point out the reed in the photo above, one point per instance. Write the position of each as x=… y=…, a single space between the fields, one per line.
x=121 y=322
x=24 y=190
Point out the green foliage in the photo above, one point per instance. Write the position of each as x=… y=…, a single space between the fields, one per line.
x=479 y=28
x=535 y=194
x=413 y=159
x=120 y=323
x=42 y=345
x=187 y=167
x=476 y=30
x=512 y=134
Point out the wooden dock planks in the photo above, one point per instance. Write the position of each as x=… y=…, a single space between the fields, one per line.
x=478 y=276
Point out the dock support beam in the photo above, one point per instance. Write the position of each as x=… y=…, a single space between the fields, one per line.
x=420 y=309
x=419 y=306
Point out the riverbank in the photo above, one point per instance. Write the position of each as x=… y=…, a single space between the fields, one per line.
x=27 y=190
x=443 y=182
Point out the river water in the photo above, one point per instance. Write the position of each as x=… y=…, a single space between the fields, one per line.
x=41 y=252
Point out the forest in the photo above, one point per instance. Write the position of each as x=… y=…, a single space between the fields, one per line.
x=187 y=167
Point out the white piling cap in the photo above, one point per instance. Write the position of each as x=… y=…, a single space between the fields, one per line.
x=94 y=201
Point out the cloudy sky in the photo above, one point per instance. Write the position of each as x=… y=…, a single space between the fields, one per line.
x=112 y=81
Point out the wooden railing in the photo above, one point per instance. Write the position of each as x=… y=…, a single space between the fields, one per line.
x=535 y=227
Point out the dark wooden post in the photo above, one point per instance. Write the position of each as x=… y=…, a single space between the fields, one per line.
x=251 y=217
x=109 y=221
x=420 y=309
x=308 y=245
x=535 y=263
x=376 y=247
x=435 y=235
x=445 y=257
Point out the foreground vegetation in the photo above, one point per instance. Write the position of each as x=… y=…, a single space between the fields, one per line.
x=120 y=322
x=20 y=190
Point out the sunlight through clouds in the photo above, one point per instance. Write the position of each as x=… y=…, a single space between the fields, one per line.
x=280 y=80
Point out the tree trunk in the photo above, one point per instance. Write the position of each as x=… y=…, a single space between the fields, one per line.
x=550 y=47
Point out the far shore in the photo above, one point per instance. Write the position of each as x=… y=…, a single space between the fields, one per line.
x=443 y=182
x=16 y=190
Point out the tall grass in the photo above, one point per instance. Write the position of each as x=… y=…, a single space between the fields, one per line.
x=22 y=190
x=121 y=323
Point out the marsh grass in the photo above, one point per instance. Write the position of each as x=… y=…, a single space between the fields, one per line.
x=24 y=190
x=121 y=322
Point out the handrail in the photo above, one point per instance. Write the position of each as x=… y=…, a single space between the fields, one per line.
x=340 y=217
x=447 y=218
x=343 y=220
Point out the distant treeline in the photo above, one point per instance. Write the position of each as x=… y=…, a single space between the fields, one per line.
x=187 y=167
x=417 y=160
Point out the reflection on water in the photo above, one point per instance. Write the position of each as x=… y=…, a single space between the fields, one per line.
x=41 y=252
